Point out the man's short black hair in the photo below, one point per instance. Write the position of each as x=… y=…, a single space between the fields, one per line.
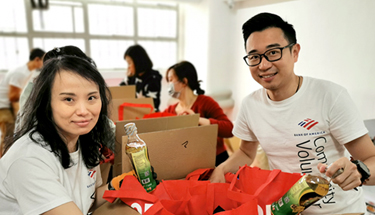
x=263 y=21
x=36 y=52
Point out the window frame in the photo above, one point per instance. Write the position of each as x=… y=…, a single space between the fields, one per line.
x=31 y=33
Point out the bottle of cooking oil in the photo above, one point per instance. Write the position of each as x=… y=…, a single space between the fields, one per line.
x=305 y=192
x=136 y=149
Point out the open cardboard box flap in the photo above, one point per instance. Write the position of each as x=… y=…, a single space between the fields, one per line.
x=176 y=153
x=149 y=125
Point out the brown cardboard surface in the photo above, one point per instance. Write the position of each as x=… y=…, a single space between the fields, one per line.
x=178 y=152
x=129 y=112
x=116 y=208
x=104 y=170
x=121 y=92
x=149 y=125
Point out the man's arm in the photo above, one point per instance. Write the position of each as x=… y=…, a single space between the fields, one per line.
x=14 y=97
x=14 y=93
x=245 y=155
x=361 y=149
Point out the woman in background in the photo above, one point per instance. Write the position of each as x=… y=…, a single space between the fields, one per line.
x=183 y=81
x=52 y=164
x=140 y=73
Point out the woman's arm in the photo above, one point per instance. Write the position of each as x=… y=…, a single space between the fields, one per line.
x=65 y=209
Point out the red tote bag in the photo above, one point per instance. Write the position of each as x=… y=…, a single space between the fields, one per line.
x=181 y=197
x=219 y=195
x=267 y=186
x=169 y=197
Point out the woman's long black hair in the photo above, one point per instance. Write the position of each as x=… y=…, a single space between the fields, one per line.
x=141 y=60
x=37 y=115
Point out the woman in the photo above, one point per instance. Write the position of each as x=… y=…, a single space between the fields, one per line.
x=183 y=81
x=140 y=73
x=51 y=165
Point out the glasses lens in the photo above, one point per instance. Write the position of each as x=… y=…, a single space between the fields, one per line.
x=273 y=54
x=252 y=59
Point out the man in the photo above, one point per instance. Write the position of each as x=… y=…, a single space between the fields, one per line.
x=10 y=89
x=302 y=123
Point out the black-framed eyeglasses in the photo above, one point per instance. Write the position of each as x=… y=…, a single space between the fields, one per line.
x=271 y=55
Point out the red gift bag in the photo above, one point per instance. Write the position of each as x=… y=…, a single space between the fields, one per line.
x=180 y=197
x=169 y=197
x=205 y=173
x=216 y=195
x=267 y=186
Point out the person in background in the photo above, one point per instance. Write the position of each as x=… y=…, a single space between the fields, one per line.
x=302 y=123
x=183 y=82
x=10 y=89
x=140 y=73
x=50 y=166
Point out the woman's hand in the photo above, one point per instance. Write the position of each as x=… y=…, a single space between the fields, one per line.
x=186 y=112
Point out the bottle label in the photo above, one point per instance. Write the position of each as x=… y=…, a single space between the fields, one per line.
x=299 y=197
x=143 y=169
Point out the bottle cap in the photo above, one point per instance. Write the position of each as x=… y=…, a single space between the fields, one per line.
x=130 y=128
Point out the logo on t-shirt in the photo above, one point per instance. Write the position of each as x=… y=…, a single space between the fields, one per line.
x=308 y=123
x=92 y=173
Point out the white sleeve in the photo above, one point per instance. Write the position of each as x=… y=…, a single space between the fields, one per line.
x=35 y=185
x=17 y=80
x=346 y=123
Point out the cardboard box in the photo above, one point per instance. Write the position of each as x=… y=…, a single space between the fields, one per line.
x=149 y=125
x=176 y=153
x=122 y=92
x=128 y=111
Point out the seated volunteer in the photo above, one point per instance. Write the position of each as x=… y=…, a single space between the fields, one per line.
x=302 y=123
x=140 y=73
x=183 y=82
x=51 y=165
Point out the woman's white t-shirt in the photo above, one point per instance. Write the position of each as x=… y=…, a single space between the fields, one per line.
x=32 y=180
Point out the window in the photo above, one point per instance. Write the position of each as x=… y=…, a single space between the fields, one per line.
x=103 y=29
x=13 y=52
x=111 y=20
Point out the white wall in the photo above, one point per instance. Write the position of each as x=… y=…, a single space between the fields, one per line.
x=337 y=40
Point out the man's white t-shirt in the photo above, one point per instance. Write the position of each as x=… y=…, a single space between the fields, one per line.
x=18 y=78
x=308 y=128
x=32 y=180
x=26 y=91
